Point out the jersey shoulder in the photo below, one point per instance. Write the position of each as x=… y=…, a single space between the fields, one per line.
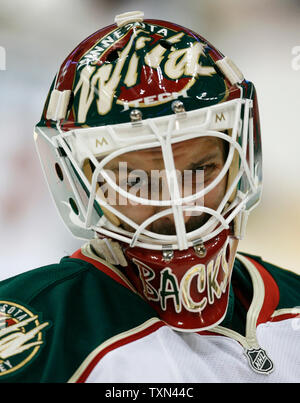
x=288 y=283
x=53 y=317
x=26 y=286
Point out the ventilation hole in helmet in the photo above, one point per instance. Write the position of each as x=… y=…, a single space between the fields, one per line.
x=227 y=252
x=73 y=206
x=165 y=44
x=59 y=172
x=113 y=55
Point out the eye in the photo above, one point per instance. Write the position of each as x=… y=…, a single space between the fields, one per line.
x=137 y=181
x=208 y=172
x=133 y=181
x=206 y=168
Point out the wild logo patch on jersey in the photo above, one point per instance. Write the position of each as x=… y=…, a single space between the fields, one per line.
x=21 y=336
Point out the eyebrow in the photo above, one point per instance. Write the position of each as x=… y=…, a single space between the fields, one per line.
x=115 y=167
x=202 y=161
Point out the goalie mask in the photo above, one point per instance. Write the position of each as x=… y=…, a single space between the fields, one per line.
x=150 y=143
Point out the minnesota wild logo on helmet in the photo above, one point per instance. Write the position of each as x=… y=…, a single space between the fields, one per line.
x=139 y=65
x=147 y=66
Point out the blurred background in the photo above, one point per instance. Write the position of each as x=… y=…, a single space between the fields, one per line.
x=261 y=36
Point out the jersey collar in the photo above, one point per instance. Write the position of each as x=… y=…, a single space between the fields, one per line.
x=264 y=302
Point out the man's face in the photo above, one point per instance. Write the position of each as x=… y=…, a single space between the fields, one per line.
x=142 y=173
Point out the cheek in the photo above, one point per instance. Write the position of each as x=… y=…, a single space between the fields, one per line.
x=138 y=214
x=213 y=198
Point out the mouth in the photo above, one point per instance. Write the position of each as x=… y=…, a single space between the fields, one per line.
x=166 y=225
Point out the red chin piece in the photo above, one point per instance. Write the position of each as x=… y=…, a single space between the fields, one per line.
x=189 y=292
